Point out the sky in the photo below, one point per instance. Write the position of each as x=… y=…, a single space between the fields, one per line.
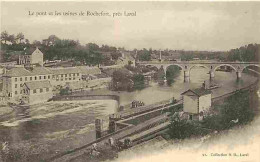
x=213 y=26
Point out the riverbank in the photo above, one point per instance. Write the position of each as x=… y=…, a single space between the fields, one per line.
x=237 y=140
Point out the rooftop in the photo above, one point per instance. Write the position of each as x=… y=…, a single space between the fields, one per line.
x=40 y=71
x=198 y=91
x=16 y=72
x=89 y=70
x=67 y=70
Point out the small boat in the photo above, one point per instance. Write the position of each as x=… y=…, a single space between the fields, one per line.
x=214 y=86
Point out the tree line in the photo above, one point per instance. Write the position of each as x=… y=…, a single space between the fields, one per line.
x=92 y=54
x=55 y=48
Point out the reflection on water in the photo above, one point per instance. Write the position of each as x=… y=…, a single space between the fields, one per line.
x=63 y=126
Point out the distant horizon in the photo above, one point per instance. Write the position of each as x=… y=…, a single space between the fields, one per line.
x=188 y=26
x=100 y=45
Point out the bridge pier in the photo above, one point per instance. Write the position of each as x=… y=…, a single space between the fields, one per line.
x=238 y=74
x=211 y=74
x=99 y=128
x=186 y=76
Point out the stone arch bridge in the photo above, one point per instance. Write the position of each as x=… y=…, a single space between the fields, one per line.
x=186 y=66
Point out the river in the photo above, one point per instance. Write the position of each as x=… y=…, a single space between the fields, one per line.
x=43 y=130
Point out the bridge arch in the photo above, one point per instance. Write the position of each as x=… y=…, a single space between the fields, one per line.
x=255 y=65
x=198 y=65
x=182 y=68
x=224 y=65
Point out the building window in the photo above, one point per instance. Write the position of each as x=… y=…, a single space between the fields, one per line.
x=47 y=89
x=49 y=76
x=21 y=79
x=40 y=77
x=74 y=74
x=41 y=90
x=70 y=74
x=21 y=85
x=77 y=74
x=15 y=92
x=21 y=92
x=15 y=79
x=30 y=78
x=44 y=77
x=190 y=117
x=15 y=85
x=69 y=78
x=65 y=75
x=53 y=76
x=61 y=75
x=25 y=78
x=34 y=91
x=57 y=79
x=73 y=78
x=35 y=77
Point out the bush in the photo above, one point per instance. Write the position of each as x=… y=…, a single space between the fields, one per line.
x=181 y=129
x=65 y=91
x=236 y=107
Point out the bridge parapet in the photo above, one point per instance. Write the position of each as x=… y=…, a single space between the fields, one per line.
x=186 y=66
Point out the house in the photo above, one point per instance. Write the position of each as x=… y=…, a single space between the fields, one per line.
x=35 y=58
x=37 y=91
x=127 y=59
x=29 y=82
x=196 y=102
x=61 y=76
x=15 y=78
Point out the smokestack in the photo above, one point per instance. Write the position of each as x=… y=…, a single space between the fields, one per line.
x=160 y=55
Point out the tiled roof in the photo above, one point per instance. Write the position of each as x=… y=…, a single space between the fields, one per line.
x=41 y=71
x=38 y=84
x=198 y=91
x=67 y=70
x=89 y=70
x=16 y=72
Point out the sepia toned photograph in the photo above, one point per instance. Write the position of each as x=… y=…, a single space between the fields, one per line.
x=129 y=81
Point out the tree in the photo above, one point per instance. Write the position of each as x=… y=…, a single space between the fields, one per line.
x=4 y=36
x=36 y=43
x=171 y=73
x=181 y=129
x=160 y=76
x=138 y=81
x=115 y=55
x=20 y=37
x=236 y=107
x=122 y=79
x=51 y=40
x=144 y=55
x=27 y=41
x=11 y=38
x=65 y=91
x=92 y=47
